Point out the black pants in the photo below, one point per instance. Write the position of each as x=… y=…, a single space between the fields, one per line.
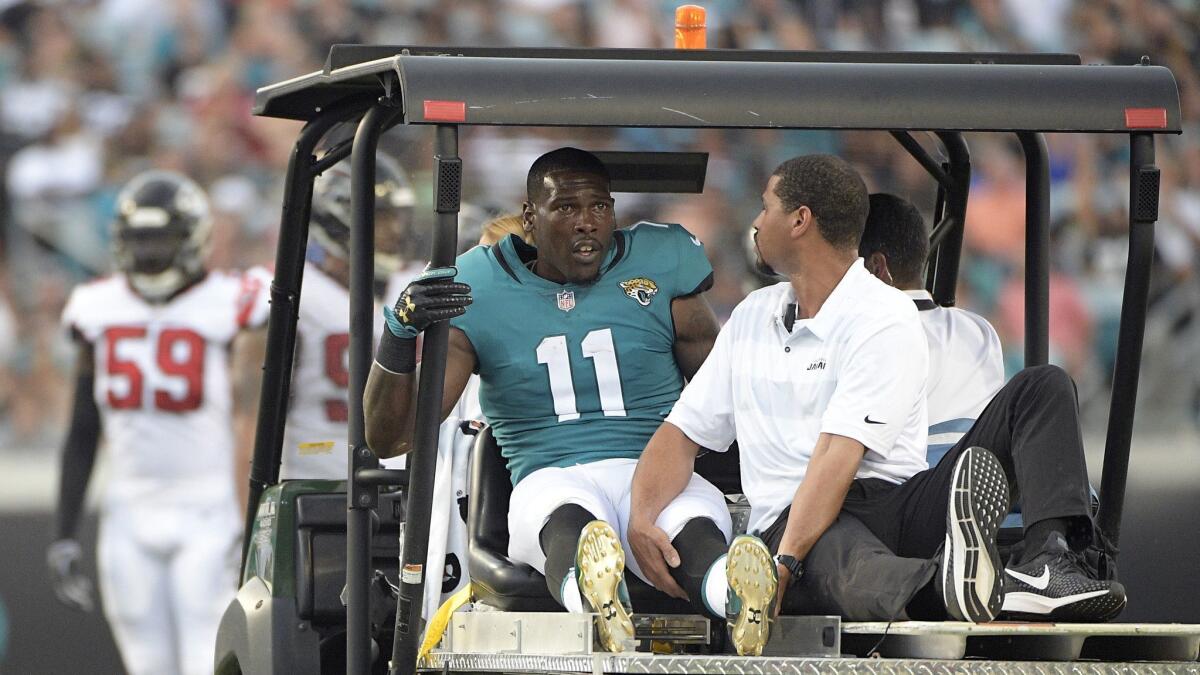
x=1031 y=425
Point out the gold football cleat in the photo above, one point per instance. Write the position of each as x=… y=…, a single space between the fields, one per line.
x=600 y=570
x=753 y=581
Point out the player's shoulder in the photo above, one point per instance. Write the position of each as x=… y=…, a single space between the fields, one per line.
x=96 y=304
x=484 y=264
x=104 y=288
x=649 y=234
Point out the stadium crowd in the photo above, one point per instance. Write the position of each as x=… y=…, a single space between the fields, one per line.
x=94 y=91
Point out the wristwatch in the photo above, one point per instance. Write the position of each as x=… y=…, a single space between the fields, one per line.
x=794 y=566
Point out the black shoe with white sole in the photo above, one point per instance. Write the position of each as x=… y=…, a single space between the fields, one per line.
x=972 y=589
x=1055 y=586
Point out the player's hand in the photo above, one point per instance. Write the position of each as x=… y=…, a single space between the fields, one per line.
x=434 y=296
x=72 y=588
x=654 y=553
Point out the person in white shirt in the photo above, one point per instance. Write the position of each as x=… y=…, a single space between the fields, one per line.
x=153 y=380
x=1031 y=424
x=821 y=379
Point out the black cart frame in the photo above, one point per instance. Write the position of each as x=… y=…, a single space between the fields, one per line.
x=947 y=94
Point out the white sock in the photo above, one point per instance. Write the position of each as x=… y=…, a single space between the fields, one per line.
x=716 y=586
x=571 y=598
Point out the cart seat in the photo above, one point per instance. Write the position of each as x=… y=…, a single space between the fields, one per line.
x=514 y=586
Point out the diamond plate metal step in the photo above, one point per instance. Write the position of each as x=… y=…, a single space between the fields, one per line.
x=1024 y=641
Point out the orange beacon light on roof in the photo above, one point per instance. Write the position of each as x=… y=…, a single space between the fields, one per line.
x=690 y=27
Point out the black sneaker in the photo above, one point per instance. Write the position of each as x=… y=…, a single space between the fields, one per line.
x=1054 y=586
x=972 y=589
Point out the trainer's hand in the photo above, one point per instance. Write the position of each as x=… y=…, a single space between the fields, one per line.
x=71 y=587
x=785 y=580
x=653 y=551
x=434 y=296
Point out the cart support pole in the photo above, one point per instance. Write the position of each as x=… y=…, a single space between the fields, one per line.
x=361 y=496
x=447 y=191
x=949 y=248
x=285 y=307
x=1037 y=248
x=1143 y=212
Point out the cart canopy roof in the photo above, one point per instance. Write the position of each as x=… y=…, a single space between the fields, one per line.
x=736 y=89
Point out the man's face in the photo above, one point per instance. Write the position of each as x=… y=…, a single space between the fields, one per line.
x=770 y=230
x=153 y=249
x=572 y=223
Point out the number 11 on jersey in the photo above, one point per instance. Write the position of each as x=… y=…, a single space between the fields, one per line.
x=598 y=346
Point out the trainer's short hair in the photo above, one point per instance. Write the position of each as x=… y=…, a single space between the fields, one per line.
x=562 y=159
x=831 y=189
x=896 y=229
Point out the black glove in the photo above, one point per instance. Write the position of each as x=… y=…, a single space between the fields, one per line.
x=72 y=588
x=434 y=296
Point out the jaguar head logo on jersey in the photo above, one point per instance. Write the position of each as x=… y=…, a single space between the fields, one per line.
x=641 y=289
x=566 y=300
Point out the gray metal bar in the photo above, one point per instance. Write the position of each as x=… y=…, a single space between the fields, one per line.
x=1142 y=214
x=285 y=307
x=361 y=497
x=746 y=93
x=381 y=477
x=1037 y=249
x=423 y=459
x=944 y=265
x=931 y=165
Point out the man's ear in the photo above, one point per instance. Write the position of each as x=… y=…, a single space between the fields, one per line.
x=877 y=264
x=803 y=219
x=527 y=217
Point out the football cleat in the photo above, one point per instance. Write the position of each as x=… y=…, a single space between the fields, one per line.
x=972 y=589
x=1054 y=586
x=750 y=602
x=600 y=573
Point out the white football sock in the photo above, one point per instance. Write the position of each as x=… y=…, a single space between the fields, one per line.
x=571 y=598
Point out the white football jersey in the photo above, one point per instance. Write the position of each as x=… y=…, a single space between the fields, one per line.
x=162 y=382
x=966 y=369
x=314 y=440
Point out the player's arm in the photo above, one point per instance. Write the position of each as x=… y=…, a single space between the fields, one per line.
x=696 y=330
x=79 y=454
x=390 y=399
x=249 y=356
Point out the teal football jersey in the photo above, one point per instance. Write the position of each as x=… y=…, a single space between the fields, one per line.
x=576 y=373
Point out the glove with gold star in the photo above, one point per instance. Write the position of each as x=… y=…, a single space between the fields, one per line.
x=433 y=296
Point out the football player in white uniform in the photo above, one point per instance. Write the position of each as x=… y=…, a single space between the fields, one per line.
x=314 y=444
x=152 y=378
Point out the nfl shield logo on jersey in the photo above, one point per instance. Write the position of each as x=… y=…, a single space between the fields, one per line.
x=566 y=300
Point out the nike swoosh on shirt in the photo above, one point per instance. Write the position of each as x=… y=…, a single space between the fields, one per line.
x=868 y=420
x=1039 y=582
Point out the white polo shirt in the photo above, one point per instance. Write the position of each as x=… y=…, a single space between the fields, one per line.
x=856 y=369
x=966 y=369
